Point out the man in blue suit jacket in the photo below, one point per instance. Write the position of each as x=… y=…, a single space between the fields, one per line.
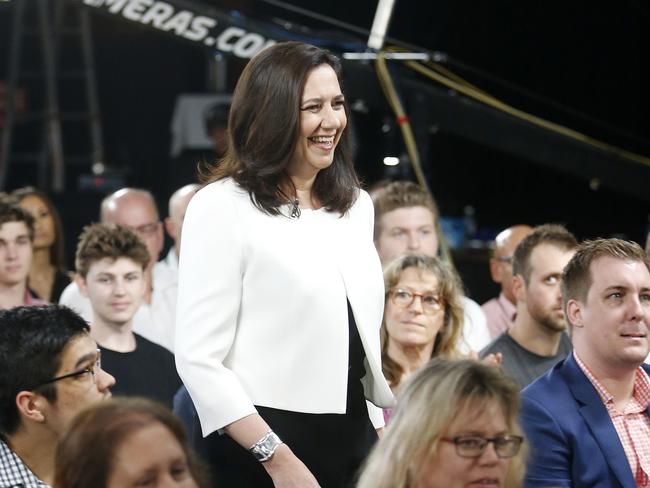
x=567 y=413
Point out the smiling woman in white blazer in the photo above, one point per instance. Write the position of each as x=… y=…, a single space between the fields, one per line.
x=280 y=287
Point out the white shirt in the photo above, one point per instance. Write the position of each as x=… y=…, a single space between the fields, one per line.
x=153 y=321
x=262 y=313
x=476 y=334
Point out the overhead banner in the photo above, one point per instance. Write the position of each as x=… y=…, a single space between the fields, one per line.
x=194 y=22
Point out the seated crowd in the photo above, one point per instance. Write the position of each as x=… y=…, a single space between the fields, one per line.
x=569 y=330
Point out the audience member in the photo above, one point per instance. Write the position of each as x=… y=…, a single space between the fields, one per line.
x=111 y=262
x=500 y=312
x=16 y=240
x=537 y=339
x=136 y=210
x=178 y=203
x=406 y=222
x=215 y=119
x=124 y=443
x=49 y=370
x=455 y=425
x=423 y=316
x=47 y=276
x=587 y=419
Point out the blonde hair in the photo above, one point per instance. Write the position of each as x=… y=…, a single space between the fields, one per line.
x=401 y=194
x=435 y=397
x=449 y=288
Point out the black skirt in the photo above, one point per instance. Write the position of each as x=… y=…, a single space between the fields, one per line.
x=332 y=446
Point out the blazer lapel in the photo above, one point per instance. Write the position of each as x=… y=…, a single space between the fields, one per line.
x=595 y=414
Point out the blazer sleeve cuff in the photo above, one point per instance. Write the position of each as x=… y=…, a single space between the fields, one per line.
x=376 y=415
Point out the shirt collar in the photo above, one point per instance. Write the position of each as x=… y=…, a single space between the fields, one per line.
x=15 y=473
x=641 y=391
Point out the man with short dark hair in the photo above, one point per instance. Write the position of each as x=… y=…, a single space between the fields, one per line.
x=406 y=222
x=111 y=262
x=16 y=250
x=587 y=420
x=49 y=370
x=136 y=210
x=500 y=312
x=537 y=339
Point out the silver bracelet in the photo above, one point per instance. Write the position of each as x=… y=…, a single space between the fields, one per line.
x=264 y=449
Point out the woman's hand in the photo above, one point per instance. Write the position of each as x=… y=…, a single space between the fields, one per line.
x=287 y=471
x=494 y=359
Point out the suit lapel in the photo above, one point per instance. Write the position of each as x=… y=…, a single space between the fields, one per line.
x=594 y=413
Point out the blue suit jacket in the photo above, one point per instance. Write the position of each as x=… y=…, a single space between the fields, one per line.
x=572 y=439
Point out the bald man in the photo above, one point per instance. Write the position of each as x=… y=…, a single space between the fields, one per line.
x=500 y=312
x=136 y=209
x=178 y=203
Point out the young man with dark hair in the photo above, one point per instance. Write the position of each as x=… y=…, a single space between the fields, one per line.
x=537 y=339
x=406 y=221
x=587 y=420
x=16 y=241
x=49 y=370
x=111 y=262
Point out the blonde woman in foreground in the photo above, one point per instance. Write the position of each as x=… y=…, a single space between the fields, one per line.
x=455 y=425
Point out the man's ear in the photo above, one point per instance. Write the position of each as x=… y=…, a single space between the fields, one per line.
x=519 y=288
x=30 y=406
x=495 y=271
x=81 y=283
x=574 y=313
x=171 y=228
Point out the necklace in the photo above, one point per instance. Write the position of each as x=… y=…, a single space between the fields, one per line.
x=295 y=209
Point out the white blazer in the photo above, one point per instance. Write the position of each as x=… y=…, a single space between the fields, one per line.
x=262 y=313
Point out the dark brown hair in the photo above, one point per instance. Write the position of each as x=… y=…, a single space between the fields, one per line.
x=10 y=211
x=577 y=279
x=264 y=125
x=99 y=241
x=401 y=194
x=85 y=454
x=553 y=234
x=57 y=249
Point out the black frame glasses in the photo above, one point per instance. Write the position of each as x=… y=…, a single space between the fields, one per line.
x=470 y=446
x=404 y=298
x=92 y=370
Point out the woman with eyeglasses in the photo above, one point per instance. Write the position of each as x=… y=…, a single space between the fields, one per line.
x=455 y=425
x=423 y=315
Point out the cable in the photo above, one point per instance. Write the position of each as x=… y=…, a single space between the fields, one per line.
x=452 y=76
x=461 y=86
x=317 y=16
x=386 y=83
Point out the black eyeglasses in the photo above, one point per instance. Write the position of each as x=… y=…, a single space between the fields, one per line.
x=91 y=370
x=506 y=446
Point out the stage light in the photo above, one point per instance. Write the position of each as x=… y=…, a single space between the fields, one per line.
x=391 y=161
